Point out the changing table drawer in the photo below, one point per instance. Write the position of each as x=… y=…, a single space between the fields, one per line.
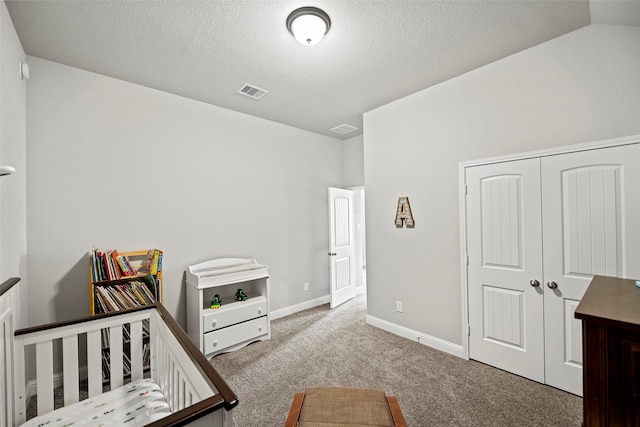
x=233 y=313
x=236 y=334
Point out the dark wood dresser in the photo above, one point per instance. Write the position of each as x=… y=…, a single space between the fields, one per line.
x=610 y=314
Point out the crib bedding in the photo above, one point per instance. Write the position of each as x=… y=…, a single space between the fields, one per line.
x=135 y=404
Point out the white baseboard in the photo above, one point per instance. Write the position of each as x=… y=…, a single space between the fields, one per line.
x=276 y=314
x=428 y=340
x=31 y=388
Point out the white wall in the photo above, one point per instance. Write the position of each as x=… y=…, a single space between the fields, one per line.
x=13 y=231
x=581 y=87
x=117 y=165
x=353 y=153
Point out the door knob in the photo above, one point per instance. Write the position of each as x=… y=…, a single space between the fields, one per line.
x=332 y=254
x=552 y=285
x=534 y=283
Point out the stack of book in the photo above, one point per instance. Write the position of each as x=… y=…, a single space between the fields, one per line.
x=126 y=360
x=123 y=296
x=109 y=265
x=126 y=334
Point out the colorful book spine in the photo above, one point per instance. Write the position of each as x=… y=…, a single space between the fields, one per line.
x=154 y=263
x=122 y=266
x=117 y=272
x=92 y=262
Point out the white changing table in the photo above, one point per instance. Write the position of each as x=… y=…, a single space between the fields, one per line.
x=236 y=323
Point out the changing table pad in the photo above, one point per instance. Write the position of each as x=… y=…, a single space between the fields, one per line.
x=135 y=404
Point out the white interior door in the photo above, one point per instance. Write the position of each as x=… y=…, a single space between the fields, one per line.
x=591 y=223
x=504 y=247
x=341 y=246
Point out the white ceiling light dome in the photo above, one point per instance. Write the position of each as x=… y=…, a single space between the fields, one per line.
x=308 y=25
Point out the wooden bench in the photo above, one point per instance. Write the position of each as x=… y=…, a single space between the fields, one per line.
x=338 y=406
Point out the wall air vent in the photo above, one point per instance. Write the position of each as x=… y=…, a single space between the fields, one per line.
x=252 y=91
x=342 y=129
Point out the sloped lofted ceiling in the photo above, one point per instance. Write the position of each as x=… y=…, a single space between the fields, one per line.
x=375 y=52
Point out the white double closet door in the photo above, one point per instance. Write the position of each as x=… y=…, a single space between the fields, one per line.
x=538 y=229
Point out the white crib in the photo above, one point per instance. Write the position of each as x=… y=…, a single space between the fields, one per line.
x=195 y=392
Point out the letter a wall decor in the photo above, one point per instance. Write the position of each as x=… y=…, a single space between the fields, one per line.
x=404 y=217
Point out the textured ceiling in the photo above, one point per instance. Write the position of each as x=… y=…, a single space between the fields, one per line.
x=375 y=52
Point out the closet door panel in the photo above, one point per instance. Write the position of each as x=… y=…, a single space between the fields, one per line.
x=591 y=218
x=589 y=215
x=505 y=255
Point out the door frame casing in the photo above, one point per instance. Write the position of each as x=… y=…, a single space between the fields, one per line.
x=360 y=239
x=462 y=167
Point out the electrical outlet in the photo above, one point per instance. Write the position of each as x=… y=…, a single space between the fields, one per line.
x=399 y=306
x=306 y=287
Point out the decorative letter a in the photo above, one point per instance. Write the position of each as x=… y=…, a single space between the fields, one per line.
x=404 y=217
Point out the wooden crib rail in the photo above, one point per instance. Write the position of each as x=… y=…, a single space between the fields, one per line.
x=8 y=284
x=79 y=320
x=192 y=386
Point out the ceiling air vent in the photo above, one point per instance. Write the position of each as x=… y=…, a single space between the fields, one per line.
x=342 y=129
x=252 y=91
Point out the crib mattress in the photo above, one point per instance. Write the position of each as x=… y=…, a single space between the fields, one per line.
x=135 y=404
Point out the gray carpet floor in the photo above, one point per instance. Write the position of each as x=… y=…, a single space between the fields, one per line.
x=322 y=347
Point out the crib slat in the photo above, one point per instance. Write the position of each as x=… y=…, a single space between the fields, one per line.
x=174 y=385
x=178 y=390
x=20 y=405
x=168 y=368
x=181 y=404
x=183 y=392
x=162 y=365
x=164 y=372
x=70 y=369
x=44 y=369
x=94 y=362
x=115 y=341
x=136 y=350
x=6 y=363
x=153 y=331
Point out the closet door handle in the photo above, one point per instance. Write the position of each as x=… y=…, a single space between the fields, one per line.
x=332 y=254
x=534 y=283
x=552 y=285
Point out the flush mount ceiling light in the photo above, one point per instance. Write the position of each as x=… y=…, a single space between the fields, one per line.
x=6 y=170
x=308 y=25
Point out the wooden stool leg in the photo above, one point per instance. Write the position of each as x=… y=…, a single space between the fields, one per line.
x=396 y=413
x=294 y=411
